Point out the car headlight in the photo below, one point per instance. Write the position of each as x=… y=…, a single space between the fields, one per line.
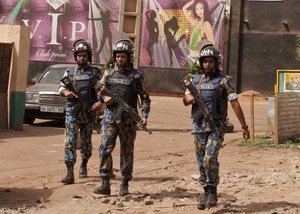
x=32 y=98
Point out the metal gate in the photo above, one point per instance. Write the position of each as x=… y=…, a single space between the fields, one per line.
x=5 y=63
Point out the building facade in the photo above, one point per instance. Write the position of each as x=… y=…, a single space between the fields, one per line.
x=256 y=37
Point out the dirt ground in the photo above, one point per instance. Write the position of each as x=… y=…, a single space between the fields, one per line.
x=252 y=179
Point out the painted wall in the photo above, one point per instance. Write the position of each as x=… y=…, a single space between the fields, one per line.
x=20 y=37
x=172 y=31
x=173 y=44
x=56 y=25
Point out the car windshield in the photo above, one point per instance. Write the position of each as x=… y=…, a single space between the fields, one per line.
x=52 y=75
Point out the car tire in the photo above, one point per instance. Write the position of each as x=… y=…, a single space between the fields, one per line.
x=28 y=120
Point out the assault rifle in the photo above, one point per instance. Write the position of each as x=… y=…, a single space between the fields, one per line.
x=86 y=108
x=127 y=108
x=202 y=108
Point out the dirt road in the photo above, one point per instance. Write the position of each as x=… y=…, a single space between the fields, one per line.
x=253 y=180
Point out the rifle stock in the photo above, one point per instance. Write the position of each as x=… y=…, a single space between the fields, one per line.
x=131 y=112
x=86 y=108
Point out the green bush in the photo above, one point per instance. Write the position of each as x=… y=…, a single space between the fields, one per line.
x=194 y=69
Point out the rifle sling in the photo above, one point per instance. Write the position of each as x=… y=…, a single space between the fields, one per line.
x=199 y=91
x=199 y=113
x=199 y=84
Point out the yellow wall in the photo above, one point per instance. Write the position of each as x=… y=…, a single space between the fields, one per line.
x=20 y=36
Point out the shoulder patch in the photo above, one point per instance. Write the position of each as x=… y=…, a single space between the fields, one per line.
x=139 y=74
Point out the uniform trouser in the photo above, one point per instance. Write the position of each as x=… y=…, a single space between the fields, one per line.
x=207 y=148
x=72 y=127
x=110 y=132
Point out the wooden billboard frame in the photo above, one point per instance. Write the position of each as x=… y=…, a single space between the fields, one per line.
x=282 y=81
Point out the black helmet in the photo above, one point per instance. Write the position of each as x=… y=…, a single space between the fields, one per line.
x=82 y=45
x=123 y=46
x=204 y=43
x=210 y=51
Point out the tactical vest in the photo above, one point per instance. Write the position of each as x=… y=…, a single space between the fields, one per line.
x=215 y=101
x=84 y=83
x=124 y=85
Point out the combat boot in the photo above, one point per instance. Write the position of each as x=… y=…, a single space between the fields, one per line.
x=124 y=188
x=105 y=187
x=212 y=197
x=202 y=203
x=69 y=179
x=83 y=169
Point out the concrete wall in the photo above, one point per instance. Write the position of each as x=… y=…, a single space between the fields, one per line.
x=20 y=37
x=264 y=37
x=234 y=41
x=163 y=80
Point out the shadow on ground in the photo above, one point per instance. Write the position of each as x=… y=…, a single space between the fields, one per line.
x=13 y=198
x=257 y=207
x=40 y=129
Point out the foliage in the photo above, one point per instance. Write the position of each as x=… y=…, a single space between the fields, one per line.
x=110 y=63
x=194 y=69
x=267 y=142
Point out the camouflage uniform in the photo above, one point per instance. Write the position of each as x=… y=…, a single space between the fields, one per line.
x=216 y=92
x=127 y=84
x=84 y=81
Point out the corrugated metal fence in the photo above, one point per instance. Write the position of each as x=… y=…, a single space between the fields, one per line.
x=287 y=117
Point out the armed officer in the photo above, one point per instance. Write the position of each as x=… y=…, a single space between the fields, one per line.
x=83 y=77
x=216 y=90
x=128 y=83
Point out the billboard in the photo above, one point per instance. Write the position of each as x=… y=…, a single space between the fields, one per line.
x=172 y=31
x=57 y=24
x=287 y=81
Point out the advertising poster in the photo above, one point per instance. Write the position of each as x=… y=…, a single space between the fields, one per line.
x=172 y=31
x=292 y=82
x=287 y=81
x=57 y=24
